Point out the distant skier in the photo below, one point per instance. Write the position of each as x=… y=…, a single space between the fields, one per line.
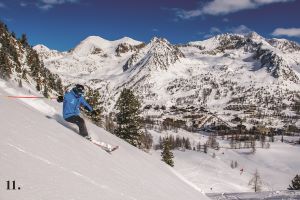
x=72 y=101
x=241 y=171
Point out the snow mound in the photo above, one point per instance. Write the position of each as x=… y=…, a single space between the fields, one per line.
x=41 y=48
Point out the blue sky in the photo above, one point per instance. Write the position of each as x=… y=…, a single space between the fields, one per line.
x=62 y=24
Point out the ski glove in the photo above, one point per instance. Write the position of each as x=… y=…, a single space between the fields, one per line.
x=95 y=112
x=60 y=99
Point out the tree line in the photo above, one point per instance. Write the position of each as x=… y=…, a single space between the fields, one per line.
x=12 y=53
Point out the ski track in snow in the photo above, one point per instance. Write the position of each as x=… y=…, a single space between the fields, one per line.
x=87 y=179
x=186 y=181
x=75 y=173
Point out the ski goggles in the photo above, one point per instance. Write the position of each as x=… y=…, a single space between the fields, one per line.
x=79 y=91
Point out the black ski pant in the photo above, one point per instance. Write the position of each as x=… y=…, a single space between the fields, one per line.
x=80 y=123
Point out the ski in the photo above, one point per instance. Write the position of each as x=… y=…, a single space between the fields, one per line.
x=105 y=147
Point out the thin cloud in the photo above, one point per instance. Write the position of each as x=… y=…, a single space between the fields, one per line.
x=183 y=14
x=200 y=33
x=53 y=2
x=7 y=19
x=212 y=32
x=225 y=20
x=223 y=7
x=242 y=30
x=23 y=4
x=290 y=32
x=45 y=6
x=215 y=30
x=2 y=5
x=48 y=4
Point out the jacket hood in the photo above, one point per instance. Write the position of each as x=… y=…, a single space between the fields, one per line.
x=74 y=93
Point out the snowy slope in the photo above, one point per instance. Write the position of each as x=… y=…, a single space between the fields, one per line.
x=49 y=161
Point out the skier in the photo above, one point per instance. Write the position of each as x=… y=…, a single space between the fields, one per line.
x=72 y=101
x=242 y=170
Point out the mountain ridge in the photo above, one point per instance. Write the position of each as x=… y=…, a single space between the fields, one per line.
x=213 y=73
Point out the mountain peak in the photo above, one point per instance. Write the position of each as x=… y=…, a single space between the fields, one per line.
x=127 y=40
x=254 y=35
x=95 y=39
x=96 y=45
x=41 y=48
x=91 y=44
x=159 y=40
x=158 y=54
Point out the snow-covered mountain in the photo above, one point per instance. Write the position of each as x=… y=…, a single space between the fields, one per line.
x=219 y=73
x=94 y=45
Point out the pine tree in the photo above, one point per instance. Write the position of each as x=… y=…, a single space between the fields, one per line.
x=13 y=34
x=235 y=164
x=109 y=123
x=232 y=164
x=253 y=145
x=5 y=66
x=128 y=119
x=295 y=183
x=24 y=74
x=205 y=148
x=160 y=143
x=38 y=85
x=172 y=141
x=24 y=40
x=46 y=92
x=146 y=141
x=93 y=98
x=256 y=182
x=187 y=144
x=198 y=146
x=177 y=142
x=59 y=86
x=166 y=154
x=212 y=142
x=20 y=83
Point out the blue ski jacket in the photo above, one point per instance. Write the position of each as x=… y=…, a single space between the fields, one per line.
x=72 y=103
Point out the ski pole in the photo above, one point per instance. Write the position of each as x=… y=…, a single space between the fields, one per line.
x=29 y=97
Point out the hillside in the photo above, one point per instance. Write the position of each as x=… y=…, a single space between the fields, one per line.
x=48 y=160
x=226 y=74
x=20 y=63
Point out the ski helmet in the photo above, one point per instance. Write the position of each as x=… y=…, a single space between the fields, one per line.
x=78 y=89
